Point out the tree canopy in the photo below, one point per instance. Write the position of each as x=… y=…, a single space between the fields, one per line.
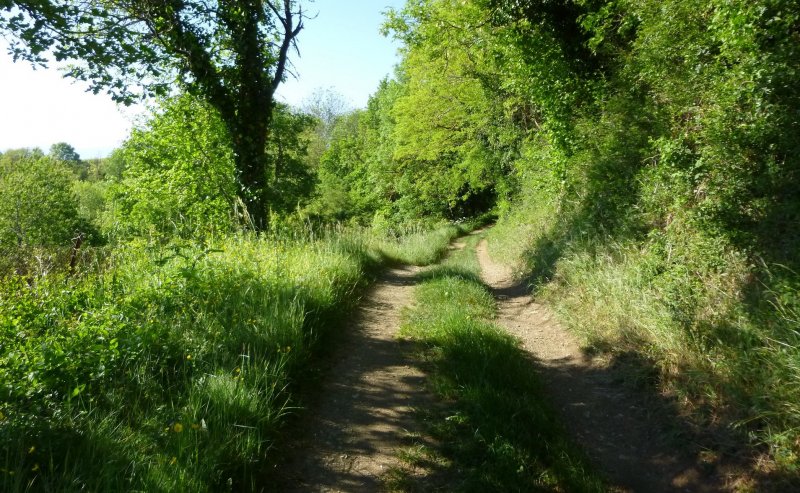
x=62 y=151
x=231 y=53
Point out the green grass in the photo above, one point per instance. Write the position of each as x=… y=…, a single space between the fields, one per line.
x=173 y=368
x=420 y=246
x=720 y=335
x=494 y=428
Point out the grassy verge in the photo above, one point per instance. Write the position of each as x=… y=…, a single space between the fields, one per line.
x=720 y=334
x=419 y=247
x=494 y=430
x=171 y=368
x=424 y=246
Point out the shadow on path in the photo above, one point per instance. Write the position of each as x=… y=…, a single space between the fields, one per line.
x=634 y=435
x=364 y=412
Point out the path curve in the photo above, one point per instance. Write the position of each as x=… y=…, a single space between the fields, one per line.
x=365 y=410
x=616 y=428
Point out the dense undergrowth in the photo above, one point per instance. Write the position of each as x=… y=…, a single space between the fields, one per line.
x=172 y=367
x=494 y=431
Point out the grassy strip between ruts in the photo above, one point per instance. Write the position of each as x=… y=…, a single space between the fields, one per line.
x=493 y=430
x=172 y=368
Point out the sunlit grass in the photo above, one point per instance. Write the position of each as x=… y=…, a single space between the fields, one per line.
x=172 y=367
x=418 y=247
x=494 y=427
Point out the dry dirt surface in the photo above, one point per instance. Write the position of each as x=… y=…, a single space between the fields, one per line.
x=619 y=429
x=364 y=413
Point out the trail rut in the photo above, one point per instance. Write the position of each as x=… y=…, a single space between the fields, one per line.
x=365 y=409
x=620 y=432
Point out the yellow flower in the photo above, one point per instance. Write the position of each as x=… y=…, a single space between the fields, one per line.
x=189 y=356
x=177 y=427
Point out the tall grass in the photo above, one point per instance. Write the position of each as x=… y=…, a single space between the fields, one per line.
x=721 y=333
x=171 y=367
x=496 y=431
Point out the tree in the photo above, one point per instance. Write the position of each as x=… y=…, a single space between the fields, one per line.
x=37 y=206
x=291 y=175
x=357 y=175
x=178 y=178
x=451 y=139
x=232 y=53
x=326 y=106
x=66 y=154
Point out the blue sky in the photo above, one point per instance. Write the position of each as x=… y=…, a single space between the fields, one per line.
x=340 y=48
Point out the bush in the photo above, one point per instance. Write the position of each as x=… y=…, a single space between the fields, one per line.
x=37 y=206
x=179 y=175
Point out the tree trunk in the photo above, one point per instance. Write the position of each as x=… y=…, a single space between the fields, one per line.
x=251 y=164
x=253 y=115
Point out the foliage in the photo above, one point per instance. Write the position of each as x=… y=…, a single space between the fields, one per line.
x=92 y=202
x=673 y=214
x=326 y=106
x=65 y=153
x=62 y=151
x=37 y=206
x=231 y=54
x=356 y=174
x=444 y=138
x=110 y=168
x=179 y=174
x=290 y=175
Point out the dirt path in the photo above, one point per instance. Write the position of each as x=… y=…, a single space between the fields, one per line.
x=364 y=411
x=619 y=431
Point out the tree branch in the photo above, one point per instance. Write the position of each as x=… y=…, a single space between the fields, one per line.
x=289 y=34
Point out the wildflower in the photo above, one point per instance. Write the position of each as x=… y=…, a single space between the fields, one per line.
x=177 y=427
x=188 y=356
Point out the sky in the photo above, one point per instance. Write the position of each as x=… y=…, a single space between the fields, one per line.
x=340 y=49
